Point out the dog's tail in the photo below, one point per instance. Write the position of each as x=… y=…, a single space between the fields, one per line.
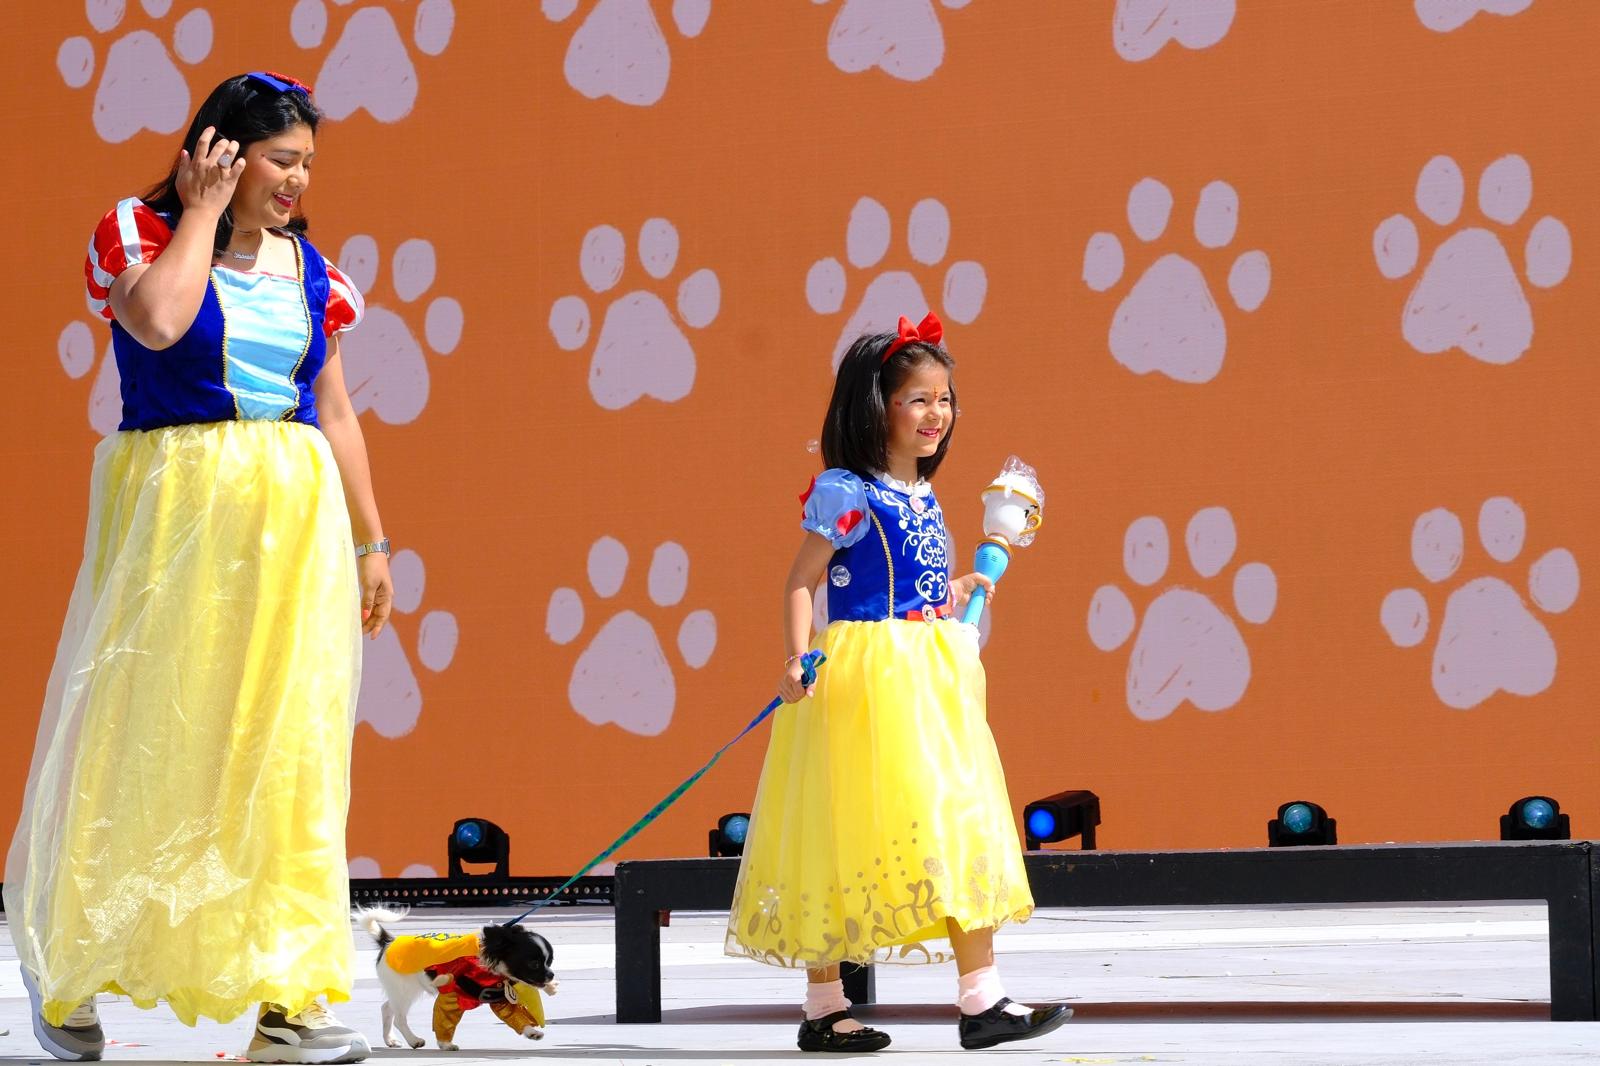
x=372 y=918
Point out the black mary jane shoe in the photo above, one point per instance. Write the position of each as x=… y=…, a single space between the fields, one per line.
x=819 y=1035
x=995 y=1026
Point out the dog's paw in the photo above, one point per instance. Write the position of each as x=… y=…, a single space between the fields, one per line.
x=416 y=1045
x=392 y=1041
x=533 y=1032
x=445 y=1045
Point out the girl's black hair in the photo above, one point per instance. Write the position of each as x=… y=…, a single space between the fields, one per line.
x=855 y=432
x=244 y=109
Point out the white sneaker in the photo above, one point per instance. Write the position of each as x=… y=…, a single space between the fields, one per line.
x=78 y=1039
x=312 y=1036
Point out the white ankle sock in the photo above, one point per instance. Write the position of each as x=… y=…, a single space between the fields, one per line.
x=826 y=997
x=980 y=989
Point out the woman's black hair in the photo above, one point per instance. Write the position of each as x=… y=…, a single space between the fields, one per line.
x=855 y=432
x=244 y=109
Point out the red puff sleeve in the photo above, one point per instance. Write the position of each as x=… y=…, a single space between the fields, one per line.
x=345 y=305
x=130 y=233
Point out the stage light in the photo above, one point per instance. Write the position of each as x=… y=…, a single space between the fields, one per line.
x=1535 y=818
x=478 y=840
x=1301 y=822
x=1074 y=813
x=727 y=839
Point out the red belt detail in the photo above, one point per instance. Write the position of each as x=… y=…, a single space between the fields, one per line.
x=929 y=613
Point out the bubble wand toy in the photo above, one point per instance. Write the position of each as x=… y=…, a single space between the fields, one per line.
x=1013 y=511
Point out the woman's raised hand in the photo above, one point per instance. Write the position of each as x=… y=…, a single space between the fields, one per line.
x=207 y=179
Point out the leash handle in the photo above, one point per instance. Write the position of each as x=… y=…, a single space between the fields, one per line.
x=808 y=676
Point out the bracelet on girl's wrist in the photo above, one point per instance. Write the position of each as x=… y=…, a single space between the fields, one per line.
x=794 y=659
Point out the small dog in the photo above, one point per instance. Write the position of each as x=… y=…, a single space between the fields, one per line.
x=505 y=966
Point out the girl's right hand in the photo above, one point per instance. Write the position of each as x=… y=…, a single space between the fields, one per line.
x=204 y=184
x=791 y=689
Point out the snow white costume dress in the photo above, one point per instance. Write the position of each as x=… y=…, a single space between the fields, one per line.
x=882 y=807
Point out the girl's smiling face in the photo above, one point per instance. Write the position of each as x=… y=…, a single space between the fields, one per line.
x=276 y=174
x=920 y=415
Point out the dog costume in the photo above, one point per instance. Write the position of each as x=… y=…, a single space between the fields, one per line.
x=451 y=961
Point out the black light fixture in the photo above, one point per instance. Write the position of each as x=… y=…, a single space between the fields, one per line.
x=1073 y=813
x=478 y=840
x=1301 y=822
x=1535 y=818
x=727 y=839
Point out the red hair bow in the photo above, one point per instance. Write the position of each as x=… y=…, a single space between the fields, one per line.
x=929 y=331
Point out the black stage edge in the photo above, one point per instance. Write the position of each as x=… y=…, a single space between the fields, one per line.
x=1564 y=875
x=477 y=891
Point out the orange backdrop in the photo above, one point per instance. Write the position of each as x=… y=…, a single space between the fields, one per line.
x=609 y=247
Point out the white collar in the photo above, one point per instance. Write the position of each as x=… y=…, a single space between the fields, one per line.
x=921 y=488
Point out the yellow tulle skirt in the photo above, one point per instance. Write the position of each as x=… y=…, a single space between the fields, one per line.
x=182 y=834
x=882 y=808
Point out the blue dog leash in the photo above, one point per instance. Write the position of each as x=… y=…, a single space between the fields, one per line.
x=808 y=676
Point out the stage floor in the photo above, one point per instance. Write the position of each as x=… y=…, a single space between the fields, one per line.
x=1225 y=986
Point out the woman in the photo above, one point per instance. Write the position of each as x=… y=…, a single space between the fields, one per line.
x=182 y=834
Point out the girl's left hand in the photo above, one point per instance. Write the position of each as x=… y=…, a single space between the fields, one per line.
x=961 y=589
x=377 y=592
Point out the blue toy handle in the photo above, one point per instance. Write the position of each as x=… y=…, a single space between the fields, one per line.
x=992 y=560
x=808 y=667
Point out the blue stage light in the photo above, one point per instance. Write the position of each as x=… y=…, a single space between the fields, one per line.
x=481 y=842
x=1297 y=818
x=1073 y=813
x=1537 y=813
x=1535 y=818
x=727 y=839
x=1301 y=822
x=469 y=834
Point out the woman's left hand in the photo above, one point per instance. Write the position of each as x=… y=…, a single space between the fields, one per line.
x=377 y=592
x=961 y=589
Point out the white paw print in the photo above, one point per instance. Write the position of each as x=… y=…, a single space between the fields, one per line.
x=1188 y=649
x=622 y=676
x=370 y=64
x=893 y=293
x=1489 y=641
x=619 y=50
x=391 y=699
x=1446 y=15
x=75 y=348
x=140 y=87
x=1470 y=295
x=384 y=364
x=642 y=350
x=365 y=867
x=1169 y=323
x=1141 y=28
x=903 y=38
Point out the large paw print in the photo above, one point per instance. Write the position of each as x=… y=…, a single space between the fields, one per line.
x=1169 y=323
x=622 y=676
x=1489 y=641
x=1446 y=15
x=370 y=64
x=903 y=38
x=619 y=50
x=140 y=87
x=1141 y=28
x=391 y=698
x=75 y=348
x=892 y=293
x=642 y=351
x=384 y=364
x=1188 y=649
x=1469 y=296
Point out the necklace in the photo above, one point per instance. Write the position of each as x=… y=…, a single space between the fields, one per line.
x=247 y=257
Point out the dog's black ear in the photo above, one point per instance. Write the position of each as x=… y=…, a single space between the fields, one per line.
x=500 y=942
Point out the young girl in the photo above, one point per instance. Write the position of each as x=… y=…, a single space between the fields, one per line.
x=183 y=829
x=881 y=823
